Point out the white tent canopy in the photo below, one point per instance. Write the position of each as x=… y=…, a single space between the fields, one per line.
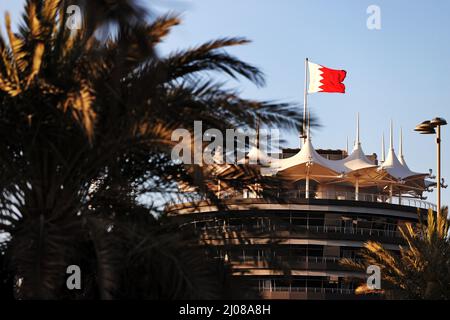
x=391 y=175
x=395 y=167
x=356 y=161
x=356 y=168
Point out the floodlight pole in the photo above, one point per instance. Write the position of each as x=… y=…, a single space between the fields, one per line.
x=438 y=143
x=428 y=127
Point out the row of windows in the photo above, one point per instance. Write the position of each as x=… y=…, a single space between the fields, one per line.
x=308 y=282
x=287 y=214
x=315 y=223
x=299 y=252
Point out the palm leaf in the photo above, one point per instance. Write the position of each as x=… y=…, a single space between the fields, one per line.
x=161 y=27
x=209 y=57
x=17 y=54
x=81 y=105
x=421 y=270
x=37 y=61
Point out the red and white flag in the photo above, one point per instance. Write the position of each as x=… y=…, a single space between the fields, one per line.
x=323 y=79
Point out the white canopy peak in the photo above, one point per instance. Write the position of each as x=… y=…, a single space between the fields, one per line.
x=391 y=136
x=396 y=165
x=357 y=141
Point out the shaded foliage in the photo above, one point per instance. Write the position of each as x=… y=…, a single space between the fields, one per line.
x=86 y=118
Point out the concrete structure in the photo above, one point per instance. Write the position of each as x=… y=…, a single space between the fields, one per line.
x=287 y=239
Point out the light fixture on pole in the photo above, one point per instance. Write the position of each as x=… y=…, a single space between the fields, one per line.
x=434 y=127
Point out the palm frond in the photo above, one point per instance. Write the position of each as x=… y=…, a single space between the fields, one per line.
x=86 y=127
x=17 y=55
x=32 y=27
x=181 y=270
x=209 y=57
x=49 y=10
x=36 y=62
x=161 y=27
x=421 y=269
x=81 y=105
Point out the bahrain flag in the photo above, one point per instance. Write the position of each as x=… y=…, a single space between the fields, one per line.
x=323 y=79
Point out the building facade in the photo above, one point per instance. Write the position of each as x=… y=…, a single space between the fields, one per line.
x=288 y=240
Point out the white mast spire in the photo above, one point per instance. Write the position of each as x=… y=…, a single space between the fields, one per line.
x=401 y=143
x=346 y=146
x=383 y=155
x=358 y=141
x=391 y=137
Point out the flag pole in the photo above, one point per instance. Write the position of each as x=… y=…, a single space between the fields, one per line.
x=305 y=102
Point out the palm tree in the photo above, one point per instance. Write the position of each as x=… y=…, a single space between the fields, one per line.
x=86 y=117
x=421 y=270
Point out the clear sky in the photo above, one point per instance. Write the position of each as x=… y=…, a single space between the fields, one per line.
x=401 y=72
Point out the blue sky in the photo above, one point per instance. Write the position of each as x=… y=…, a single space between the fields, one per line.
x=401 y=72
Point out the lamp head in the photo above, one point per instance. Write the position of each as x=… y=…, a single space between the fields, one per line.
x=424 y=127
x=430 y=131
x=438 y=122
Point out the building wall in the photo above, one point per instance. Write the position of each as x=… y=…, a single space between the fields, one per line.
x=292 y=250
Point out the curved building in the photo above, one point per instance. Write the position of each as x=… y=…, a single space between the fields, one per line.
x=287 y=240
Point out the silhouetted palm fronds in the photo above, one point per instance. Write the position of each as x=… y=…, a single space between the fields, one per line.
x=86 y=118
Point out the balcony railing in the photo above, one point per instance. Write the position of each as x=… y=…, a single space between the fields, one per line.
x=305 y=228
x=315 y=259
x=353 y=196
x=329 y=195
x=309 y=290
x=287 y=259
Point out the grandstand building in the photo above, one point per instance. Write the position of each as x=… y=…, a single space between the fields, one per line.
x=321 y=206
